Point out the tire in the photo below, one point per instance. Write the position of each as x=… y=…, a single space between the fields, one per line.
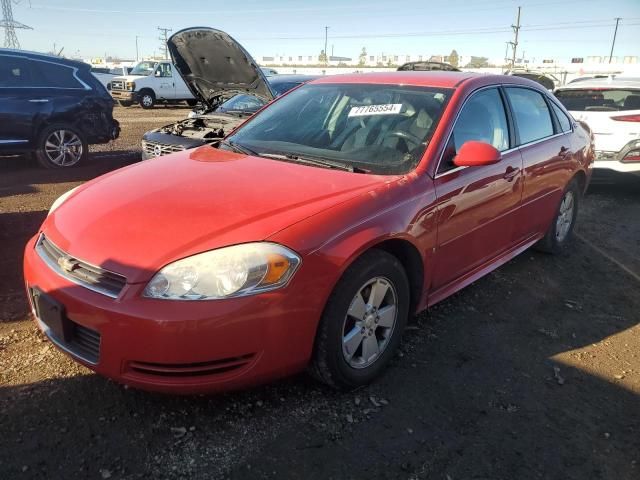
x=339 y=358
x=147 y=99
x=61 y=146
x=561 y=229
x=192 y=103
x=125 y=103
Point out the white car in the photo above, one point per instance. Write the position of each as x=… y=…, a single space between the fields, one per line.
x=611 y=108
x=150 y=82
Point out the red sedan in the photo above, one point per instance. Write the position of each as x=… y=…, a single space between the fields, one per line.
x=310 y=235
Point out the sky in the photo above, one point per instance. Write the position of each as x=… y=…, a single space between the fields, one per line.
x=550 y=29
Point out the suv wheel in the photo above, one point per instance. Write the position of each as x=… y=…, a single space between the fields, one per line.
x=61 y=146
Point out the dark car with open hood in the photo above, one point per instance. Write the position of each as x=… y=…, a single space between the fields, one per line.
x=53 y=107
x=228 y=84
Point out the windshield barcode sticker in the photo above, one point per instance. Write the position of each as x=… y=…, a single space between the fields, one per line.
x=387 y=109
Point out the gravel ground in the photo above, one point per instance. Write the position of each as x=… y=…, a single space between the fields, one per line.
x=531 y=372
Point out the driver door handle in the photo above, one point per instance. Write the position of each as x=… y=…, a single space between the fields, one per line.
x=511 y=173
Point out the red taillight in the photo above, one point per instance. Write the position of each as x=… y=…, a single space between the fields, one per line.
x=627 y=118
x=632 y=157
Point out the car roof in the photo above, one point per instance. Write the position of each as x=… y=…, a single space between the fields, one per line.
x=291 y=78
x=437 y=79
x=617 y=82
x=45 y=57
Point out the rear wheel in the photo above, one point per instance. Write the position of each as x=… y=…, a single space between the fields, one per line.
x=192 y=103
x=125 y=103
x=363 y=322
x=561 y=228
x=61 y=146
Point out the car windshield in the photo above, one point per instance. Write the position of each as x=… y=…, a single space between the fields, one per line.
x=599 y=99
x=378 y=128
x=144 y=68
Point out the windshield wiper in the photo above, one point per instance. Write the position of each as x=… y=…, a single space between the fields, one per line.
x=320 y=162
x=240 y=148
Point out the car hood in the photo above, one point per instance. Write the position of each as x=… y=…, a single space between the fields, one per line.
x=215 y=66
x=137 y=219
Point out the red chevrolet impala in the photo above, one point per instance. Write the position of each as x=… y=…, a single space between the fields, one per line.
x=311 y=234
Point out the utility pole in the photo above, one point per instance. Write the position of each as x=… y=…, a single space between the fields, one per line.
x=10 y=25
x=514 y=44
x=137 y=56
x=163 y=39
x=326 y=55
x=613 y=43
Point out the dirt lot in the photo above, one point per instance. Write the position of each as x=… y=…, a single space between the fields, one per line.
x=532 y=372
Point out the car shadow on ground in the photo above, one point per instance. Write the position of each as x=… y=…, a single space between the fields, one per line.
x=482 y=388
x=22 y=172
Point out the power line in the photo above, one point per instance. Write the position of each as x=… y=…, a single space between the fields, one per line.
x=514 y=44
x=10 y=25
x=613 y=43
x=163 y=39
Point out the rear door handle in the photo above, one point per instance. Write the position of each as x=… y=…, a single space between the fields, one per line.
x=39 y=100
x=511 y=173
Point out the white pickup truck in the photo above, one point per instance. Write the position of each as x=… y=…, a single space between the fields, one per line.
x=150 y=82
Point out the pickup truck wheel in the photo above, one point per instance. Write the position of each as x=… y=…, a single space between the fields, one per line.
x=362 y=323
x=60 y=146
x=192 y=103
x=147 y=99
x=124 y=103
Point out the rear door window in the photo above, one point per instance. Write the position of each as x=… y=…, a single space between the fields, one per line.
x=599 y=99
x=531 y=113
x=55 y=75
x=15 y=72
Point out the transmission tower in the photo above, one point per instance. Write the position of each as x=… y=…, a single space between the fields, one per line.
x=10 y=25
x=163 y=38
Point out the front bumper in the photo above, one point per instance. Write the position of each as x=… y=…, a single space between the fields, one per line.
x=184 y=347
x=124 y=96
x=156 y=144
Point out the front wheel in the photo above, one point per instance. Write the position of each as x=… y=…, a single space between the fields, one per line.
x=147 y=99
x=125 y=103
x=363 y=322
x=561 y=228
x=60 y=146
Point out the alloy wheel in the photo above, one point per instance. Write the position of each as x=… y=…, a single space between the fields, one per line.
x=565 y=216
x=147 y=100
x=63 y=148
x=369 y=323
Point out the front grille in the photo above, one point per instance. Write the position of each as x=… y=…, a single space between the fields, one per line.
x=117 y=85
x=213 y=367
x=156 y=149
x=80 y=272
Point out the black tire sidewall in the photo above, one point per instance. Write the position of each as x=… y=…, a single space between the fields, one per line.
x=556 y=245
x=374 y=264
x=40 y=154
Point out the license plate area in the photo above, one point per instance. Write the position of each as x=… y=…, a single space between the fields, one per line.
x=52 y=313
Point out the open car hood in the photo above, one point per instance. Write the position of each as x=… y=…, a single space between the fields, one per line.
x=215 y=66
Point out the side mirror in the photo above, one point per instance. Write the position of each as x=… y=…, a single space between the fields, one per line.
x=475 y=154
x=158 y=73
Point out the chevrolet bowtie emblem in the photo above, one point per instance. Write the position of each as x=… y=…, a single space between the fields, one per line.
x=67 y=263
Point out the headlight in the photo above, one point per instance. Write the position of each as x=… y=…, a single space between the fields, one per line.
x=61 y=199
x=130 y=86
x=234 y=271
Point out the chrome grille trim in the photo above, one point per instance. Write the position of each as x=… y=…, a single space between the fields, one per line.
x=156 y=149
x=94 y=278
x=117 y=85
